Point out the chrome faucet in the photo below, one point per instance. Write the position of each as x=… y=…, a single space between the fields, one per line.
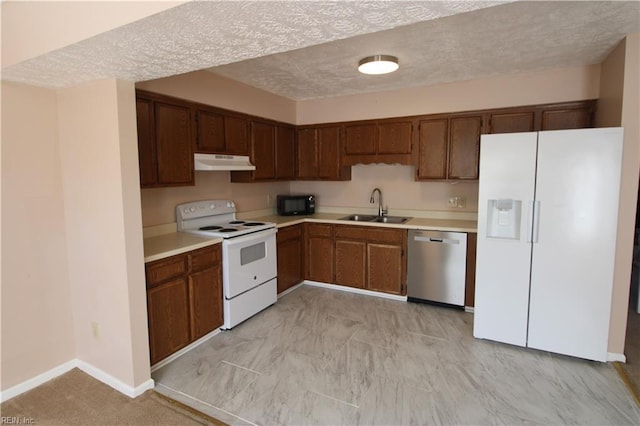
x=381 y=211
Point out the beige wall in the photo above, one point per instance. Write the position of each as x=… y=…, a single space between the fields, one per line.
x=554 y=85
x=99 y=171
x=61 y=23
x=628 y=187
x=213 y=89
x=37 y=325
x=609 y=113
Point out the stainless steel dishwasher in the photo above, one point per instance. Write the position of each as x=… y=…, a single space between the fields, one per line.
x=436 y=267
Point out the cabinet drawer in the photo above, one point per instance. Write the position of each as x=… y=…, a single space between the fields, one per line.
x=351 y=232
x=289 y=232
x=386 y=235
x=319 y=230
x=204 y=258
x=166 y=269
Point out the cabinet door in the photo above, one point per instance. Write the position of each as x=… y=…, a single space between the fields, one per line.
x=210 y=137
x=205 y=301
x=464 y=147
x=512 y=122
x=565 y=119
x=168 y=312
x=263 y=150
x=320 y=259
x=147 y=158
x=307 y=154
x=329 y=152
x=395 y=137
x=432 y=149
x=361 y=139
x=470 y=280
x=174 y=144
x=290 y=257
x=351 y=258
x=285 y=153
x=385 y=268
x=236 y=133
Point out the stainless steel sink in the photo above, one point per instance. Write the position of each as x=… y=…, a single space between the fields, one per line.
x=371 y=218
x=359 y=217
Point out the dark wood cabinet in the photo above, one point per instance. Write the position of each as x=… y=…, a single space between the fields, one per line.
x=372 y=258
x=449 y=148
x=566 y=118
x=184 y=300
x=218 y=132
x=379 y=141
x=263 y=150
x=165 y=151
x=319 y=154
x=319 y=252
x=511 y=122
x=285 y=152
x=290 y=256
x=470 y=279
x=533 y=118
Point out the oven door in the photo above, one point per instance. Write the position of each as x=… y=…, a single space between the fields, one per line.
x=248 y=261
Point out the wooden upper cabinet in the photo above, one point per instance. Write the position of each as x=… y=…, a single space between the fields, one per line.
x=511 y=122
x=559 y=119
x=395 y=137
x=221 y=133
x=320 y=154
x=263 y=151
x=285 y=153
x=361 y=139
x=449 y=148
x=379 y=141
x=432 y=146
x=464 y=147
x=147 y=158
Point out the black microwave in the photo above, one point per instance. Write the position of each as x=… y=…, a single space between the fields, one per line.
x=289 y=205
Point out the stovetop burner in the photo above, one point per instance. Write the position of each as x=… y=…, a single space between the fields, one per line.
x=227 y=230
x=210 y=228
x=253 y=224
x=236 y=222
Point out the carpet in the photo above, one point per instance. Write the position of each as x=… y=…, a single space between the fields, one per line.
x=76 y=398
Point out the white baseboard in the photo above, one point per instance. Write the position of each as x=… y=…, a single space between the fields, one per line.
x=614 y=357
x=184 y=350
x=91 y=370
x=289 y=290
x=118 y=385
x=36 y=381
x=355 y=290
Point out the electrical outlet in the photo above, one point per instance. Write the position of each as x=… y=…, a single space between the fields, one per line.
x=453 y=201
x=462 y=202
x=95 y=329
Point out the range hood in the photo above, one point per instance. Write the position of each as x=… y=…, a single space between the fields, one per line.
x=221 y=162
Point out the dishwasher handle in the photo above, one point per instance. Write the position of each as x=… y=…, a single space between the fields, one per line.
x=436 y=240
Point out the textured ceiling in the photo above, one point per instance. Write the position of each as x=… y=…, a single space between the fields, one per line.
x=203 y=34
x=505 y=39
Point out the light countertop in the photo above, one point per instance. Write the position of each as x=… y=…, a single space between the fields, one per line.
x=454 y=225
x=166 y=245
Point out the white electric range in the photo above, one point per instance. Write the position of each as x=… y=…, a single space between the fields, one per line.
x=249 y=262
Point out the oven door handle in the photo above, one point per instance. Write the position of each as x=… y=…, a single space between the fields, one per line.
x=253 y=237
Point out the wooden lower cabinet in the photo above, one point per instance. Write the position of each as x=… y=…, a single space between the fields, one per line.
x=184 y=299
x=319 y=253
x=290 y=256
x=470 y=281
x=371 y=258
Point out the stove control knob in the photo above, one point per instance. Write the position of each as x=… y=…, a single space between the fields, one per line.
x=186 y=210
x=192 y=209
x=212 y=206
x=229 y=204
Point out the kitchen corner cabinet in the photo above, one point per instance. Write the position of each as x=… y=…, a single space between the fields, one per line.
x=470 y=278
x=165 y=150
x=319 y=154
x=289 y=241
x=184 y=300
x=272 y=151
x=379 y=141
x=449 y=147
x=221 y=132
x=319 y=252
x=371 y=258
x=558 y=116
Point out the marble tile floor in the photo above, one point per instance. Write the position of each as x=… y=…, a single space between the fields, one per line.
x=326 y=357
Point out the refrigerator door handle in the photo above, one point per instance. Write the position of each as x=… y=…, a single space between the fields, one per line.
x=536 y=221
x=530 y=218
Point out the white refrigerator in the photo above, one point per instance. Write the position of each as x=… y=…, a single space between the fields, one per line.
x=547 y=223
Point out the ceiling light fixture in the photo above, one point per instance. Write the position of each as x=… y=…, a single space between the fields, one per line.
x=378 y=64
